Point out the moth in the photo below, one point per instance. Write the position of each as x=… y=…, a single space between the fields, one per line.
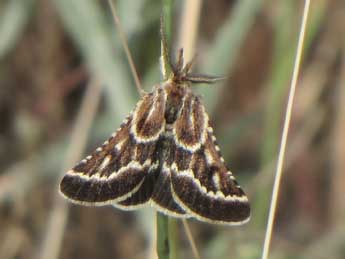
x=163 y=154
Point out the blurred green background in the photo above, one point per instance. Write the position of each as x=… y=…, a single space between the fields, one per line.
x=65 y=86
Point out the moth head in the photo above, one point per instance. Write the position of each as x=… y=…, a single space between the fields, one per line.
x=181 y=73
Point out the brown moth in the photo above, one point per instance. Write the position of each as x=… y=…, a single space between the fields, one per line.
x=164 y=154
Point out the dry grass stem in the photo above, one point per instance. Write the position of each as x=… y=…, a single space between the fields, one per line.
x=190 y=238
x=189 y=27
x=276 y=185
x=126 y=48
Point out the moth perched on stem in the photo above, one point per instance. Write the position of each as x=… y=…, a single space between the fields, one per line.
x=163 y=154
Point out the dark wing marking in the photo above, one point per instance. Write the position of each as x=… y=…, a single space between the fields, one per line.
x=148 y=119
x=189 y=128
x=205 y=188
x=116 y=171
x=143 y=195
x=162 y=198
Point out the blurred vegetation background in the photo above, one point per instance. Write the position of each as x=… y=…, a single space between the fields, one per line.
x=65 y=86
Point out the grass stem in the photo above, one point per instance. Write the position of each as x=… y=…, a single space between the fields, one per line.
x=163 y=244
x=276 y=185
x=166 y=227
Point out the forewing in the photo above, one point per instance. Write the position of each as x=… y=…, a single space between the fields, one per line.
x=203 y=185
x=116 y=170
x=190 y=127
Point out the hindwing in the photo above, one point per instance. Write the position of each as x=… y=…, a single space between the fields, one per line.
x=162 y=198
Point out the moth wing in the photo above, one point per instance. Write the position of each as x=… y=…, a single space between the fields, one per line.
x=144 y=193
x=201 y=184
x=162 y=198
x=116 y=170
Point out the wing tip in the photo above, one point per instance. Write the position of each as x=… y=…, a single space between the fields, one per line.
x=214 y=209
x=89 y=193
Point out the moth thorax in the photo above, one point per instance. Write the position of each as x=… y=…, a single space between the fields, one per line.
x=175 y=96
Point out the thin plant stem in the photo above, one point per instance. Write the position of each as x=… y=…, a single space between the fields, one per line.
x=167 y=231
x=163 y=244
x=191 y=239
x=173 y=237
x=167 y=12
x=279 y=170
x=126 y=48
